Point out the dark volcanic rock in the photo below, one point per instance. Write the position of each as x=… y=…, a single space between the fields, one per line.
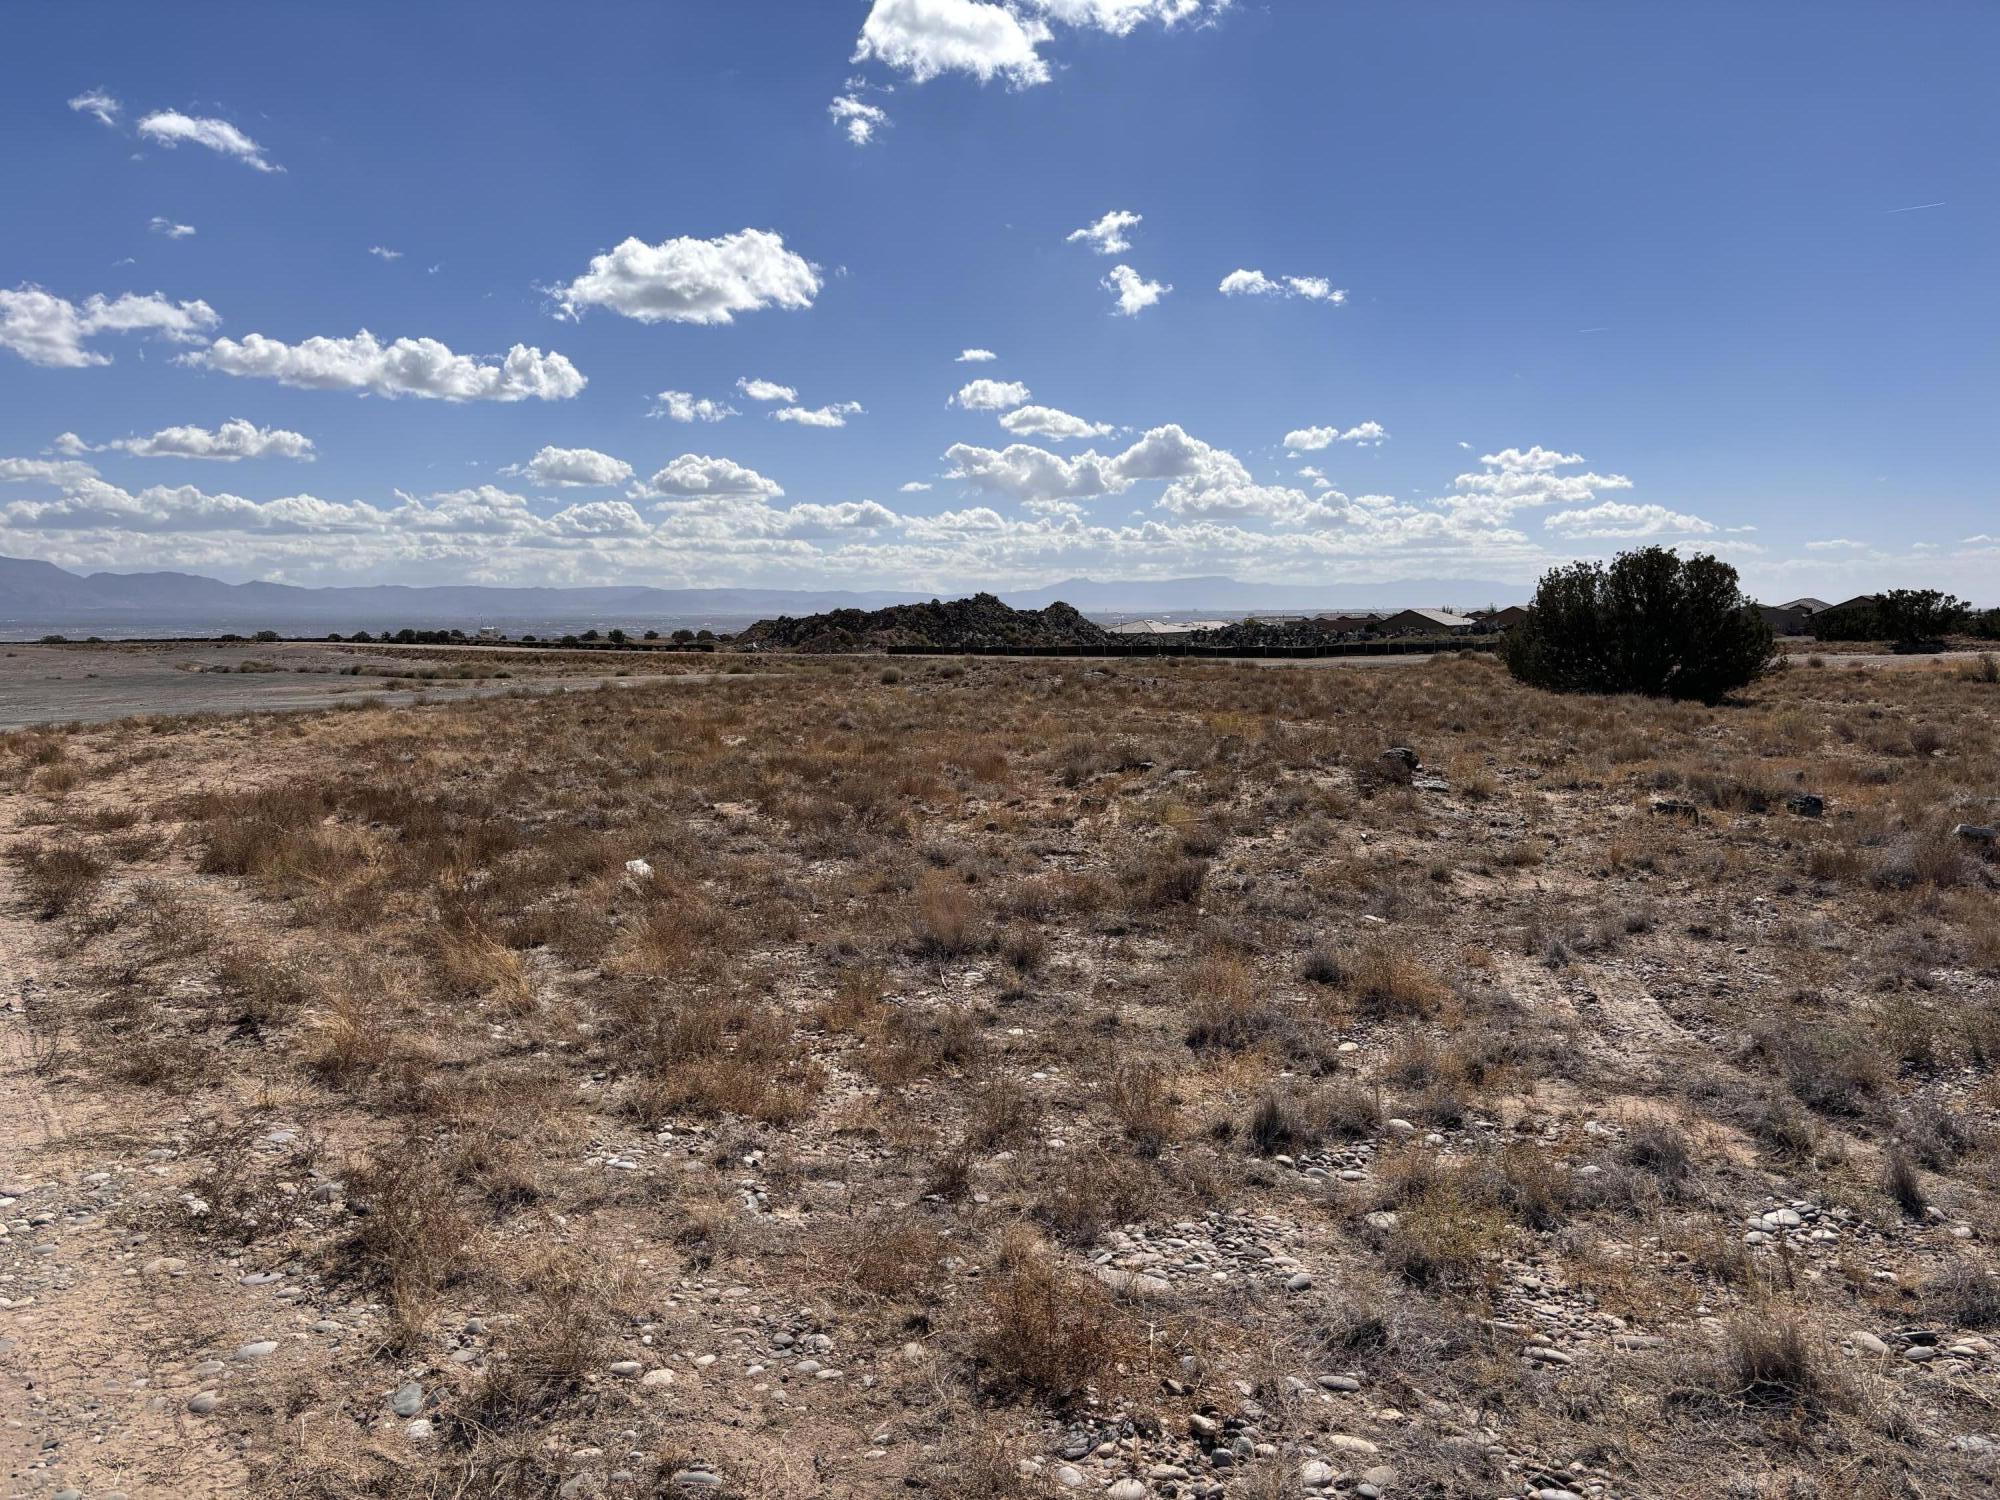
x=981 y=620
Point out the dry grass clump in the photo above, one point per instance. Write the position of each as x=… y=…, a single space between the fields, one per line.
x=1662 y=1149
x=1219 y=996
x=1766 y=1359
x=1046 y=1332
x=948 y=922
x=1387 y=981
x=1443 y=1239
x=1142 y=1097
x=410 y=1238
x=59 y=881
x=1963 y=1293
x=548 y=1353
x=1161 y=881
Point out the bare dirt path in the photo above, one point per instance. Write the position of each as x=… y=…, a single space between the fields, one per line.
x=93 y=1398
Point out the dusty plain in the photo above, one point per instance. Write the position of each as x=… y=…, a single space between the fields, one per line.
x=994 y=1079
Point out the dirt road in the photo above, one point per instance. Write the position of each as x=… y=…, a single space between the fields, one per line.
x=96 y=1375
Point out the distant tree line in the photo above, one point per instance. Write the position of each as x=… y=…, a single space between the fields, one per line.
x=690 y=639
x=1911 y=618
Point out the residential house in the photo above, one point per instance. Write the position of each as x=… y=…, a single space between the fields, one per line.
x=1427 y=622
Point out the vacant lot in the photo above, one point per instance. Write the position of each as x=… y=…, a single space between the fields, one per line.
x=95 y=684
x=1010 y=1079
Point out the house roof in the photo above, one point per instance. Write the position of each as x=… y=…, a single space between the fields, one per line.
x=1443 y=617
x=1165 y=627
x=1809 y=604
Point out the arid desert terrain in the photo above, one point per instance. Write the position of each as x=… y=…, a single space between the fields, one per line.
x=852 y=1078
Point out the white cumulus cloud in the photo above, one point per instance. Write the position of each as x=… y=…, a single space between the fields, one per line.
x=834 y=520
x=683 y=406
x=46 y=471
x=407 y=367
x=1121 y=17
x=1048 y=422
x=694 y=281
x=169 y=127
x=975 y=356
x=1135 y=294
x=1108 y=235
x=1024 y=472
x=694 y=476
x=765 y=390
x=573 y=468
x=1613 y=518
x=1241 y=283
x=160 y=224
x=991 y=395
x=858 y=118
x=1313 y=439
x=45 y=329
x=1515 y=479
x=232 y=442
x=835 y=415
x=924 y=38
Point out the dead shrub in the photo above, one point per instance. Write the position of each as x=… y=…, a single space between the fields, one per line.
x=546 y=1355
x=1937 y=1137
x=410 y=1238
x=1164 y=880
x=1346 y=1112
x=1933 y=858
x=1047 y=1332
x=238 y=1188
x=1963 y=1294
x=1768 y=1359
x=855 y=1003
x=260 y=987
x=1024 y=947
x=680 y=934
x=1003 y=1114
x=1442 y=1240
x=1904 y=1183
x=947 y=923
x=1087 y=1192
x=1142 y=1097
x=1835 y=1070
x=346 y=1044
x=1386 y=981
x=469 y=963
x=905 y=1047
x=1275 y=1126
x=1661 y=1148
x=1323 y=966
x=271 y=834
x=1223 y=1012
x=892 y=1259
x=58 y=881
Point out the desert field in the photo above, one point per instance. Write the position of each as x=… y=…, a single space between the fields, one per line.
x=999 y=1079
x=99 y=683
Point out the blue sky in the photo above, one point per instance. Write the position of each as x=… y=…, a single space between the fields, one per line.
x=1531 y=281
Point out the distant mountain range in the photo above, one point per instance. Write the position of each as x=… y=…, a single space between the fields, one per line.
x=39 y=597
